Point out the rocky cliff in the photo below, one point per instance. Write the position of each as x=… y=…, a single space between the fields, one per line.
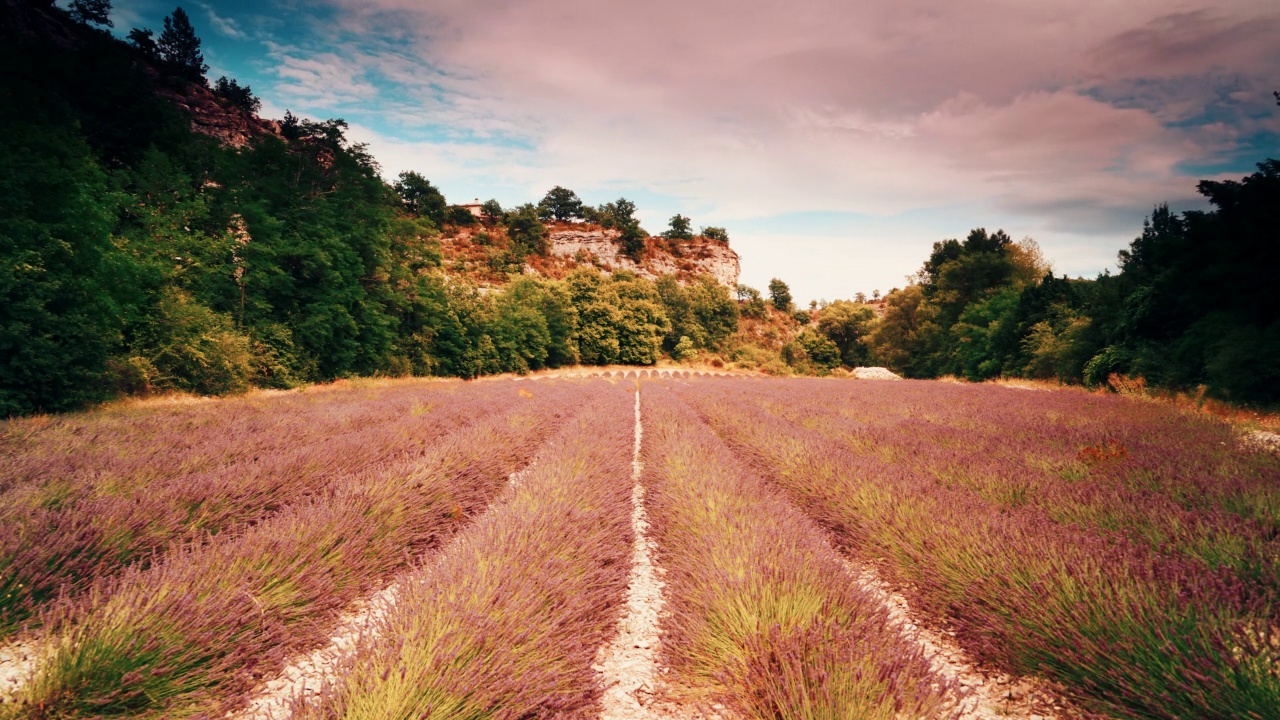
x=685 y=259
x=212 y=116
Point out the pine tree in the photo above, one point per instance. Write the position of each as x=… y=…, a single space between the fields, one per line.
x=180 y=48
x=92 y=12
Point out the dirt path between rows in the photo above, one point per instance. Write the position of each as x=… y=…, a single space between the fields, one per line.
x=628 y=667
x=306 y=676
x=991 y=695
x=18 y=663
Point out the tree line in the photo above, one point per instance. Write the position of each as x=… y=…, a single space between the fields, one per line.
x=1193 y=306
x=139 y=256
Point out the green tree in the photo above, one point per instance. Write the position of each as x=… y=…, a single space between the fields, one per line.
x=679 y=228
x=618 y=214
x=519 y=332
x=905 y=333
x=58 y=268
x=753 y=304
x=812 y=352
x=460 y=216
x=703 y=312
x=632 y=239
x=849 y=326
x=643 y=323
x=192 y=348
x=718 y=234
x=685 y=349
x=780 y=295
x=957 y=274
x=491 y=211
x=560 y=204
x=598 y=317
x=180 y=48
x=714 y=309
x=528 y=234
x=238 y=95
x=421 y=198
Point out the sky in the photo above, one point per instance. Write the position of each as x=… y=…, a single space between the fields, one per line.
x=835 y=140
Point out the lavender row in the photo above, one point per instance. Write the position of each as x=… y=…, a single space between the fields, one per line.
x=761 y=608
x=508 y=621
x=1128 y=630
x=200 y=628
x=57 y=537
x=1109 y=471
x=132 y=443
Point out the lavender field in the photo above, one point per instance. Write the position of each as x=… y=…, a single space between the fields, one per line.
x=639 y=545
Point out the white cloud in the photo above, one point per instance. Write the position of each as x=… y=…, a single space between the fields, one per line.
x=225 y=25
x=1053 y=116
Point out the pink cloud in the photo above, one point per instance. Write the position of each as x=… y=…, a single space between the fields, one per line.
x=745 y=108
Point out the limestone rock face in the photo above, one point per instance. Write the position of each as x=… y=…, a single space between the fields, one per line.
x=230 y=125
x=696 y=257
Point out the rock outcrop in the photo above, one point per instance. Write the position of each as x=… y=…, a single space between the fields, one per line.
x=692 y=258
x=210 y=116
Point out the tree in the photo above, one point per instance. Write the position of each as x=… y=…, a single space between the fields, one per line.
x=560 y=204
x=144 y=39
x=621 y=216
x=718 y=234
x=680 y=228
x=460 y=216
x=643 y=322
x=780 y=295
x=238 y=95
x=491 y=211
x=92 y=12
x=180 y=48
x=618 y=214
x=754 y=305
x=901 y=339
x=58 y=319
x=632 y=238
x=811 y=351
x=528 y=234
x=421 y=198
x=848 y=325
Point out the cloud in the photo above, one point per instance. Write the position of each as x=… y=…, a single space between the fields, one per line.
x=224 y=25
x=1068 y=119
x=324 y=80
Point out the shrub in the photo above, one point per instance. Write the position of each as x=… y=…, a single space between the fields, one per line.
x=195 y=349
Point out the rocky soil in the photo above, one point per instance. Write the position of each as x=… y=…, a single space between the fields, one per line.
x=991 y=695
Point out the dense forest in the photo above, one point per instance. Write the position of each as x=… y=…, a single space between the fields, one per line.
x=1194 y=305
x=138 y=255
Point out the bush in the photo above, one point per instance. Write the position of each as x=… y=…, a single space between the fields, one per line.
x=685 y=349
x=718 y=234
x=195 y=349
x=528 y=234
x=780 y=295
x=679 y=229
x=460 y=216
x=812 y=352
x=237 y=95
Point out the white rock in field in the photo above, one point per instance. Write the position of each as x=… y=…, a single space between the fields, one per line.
x=875 y=373
x=1263 y=440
